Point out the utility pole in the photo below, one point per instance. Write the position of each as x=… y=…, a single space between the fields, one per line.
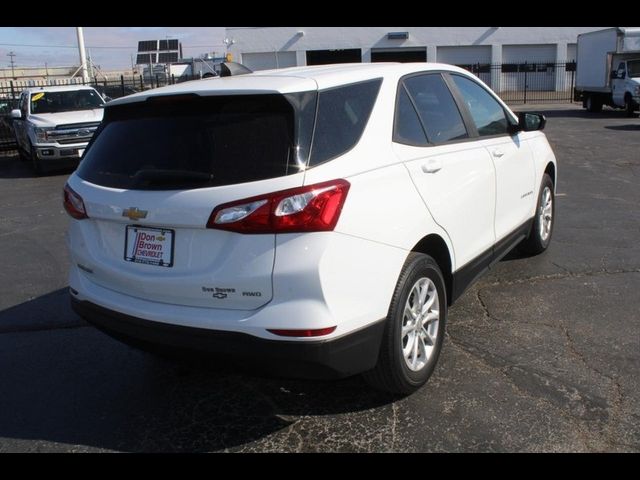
x=83 y=56
x=13 y=64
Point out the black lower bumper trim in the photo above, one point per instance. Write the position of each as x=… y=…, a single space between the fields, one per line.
x=342 y=357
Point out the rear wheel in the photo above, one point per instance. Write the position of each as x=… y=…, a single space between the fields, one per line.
x=414 y=329
x=540 y=236
x=593 y=104
x=629 y=105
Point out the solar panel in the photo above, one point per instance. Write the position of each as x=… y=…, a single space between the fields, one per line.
x=148 y=46
x=167 y=57
x=145 y=58
x=171 y=44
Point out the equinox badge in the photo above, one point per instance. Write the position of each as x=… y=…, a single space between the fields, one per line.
x=134 y=214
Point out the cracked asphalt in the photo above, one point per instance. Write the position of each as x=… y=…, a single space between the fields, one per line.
x=541 y=355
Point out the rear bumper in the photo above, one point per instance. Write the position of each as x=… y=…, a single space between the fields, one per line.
x=344 y=356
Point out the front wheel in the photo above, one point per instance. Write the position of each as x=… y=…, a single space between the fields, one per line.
x=414 y=329
x=36 y=162
x=540 y=235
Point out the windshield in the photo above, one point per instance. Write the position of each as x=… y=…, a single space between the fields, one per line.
x=193 y=142
x=634 y=68
x=69 y=101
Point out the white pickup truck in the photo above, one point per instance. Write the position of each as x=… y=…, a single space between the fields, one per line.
x=54 y=124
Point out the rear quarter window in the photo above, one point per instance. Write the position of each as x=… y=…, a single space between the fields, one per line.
x=342 y=115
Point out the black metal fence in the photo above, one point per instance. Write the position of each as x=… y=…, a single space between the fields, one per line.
x=528 y=82
x=515 y=83
x=110 y=89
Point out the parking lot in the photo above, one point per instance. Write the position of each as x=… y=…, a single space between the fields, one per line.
x=542 y=354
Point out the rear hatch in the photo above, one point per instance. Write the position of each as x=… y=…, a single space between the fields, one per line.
x=154 y=172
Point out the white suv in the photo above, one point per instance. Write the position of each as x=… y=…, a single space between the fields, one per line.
x=316 y=219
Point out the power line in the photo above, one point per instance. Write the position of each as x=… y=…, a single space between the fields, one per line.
x=58 y=46
x=100 y=46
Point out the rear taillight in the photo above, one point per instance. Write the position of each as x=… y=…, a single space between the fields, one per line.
x=313 y=208
x=73 y=204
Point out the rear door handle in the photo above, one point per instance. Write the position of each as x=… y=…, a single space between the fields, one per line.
x=497 y=153
x=432 y=165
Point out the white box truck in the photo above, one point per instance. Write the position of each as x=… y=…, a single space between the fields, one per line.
x=608 y=69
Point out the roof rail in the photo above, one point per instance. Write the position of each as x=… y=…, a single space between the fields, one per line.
x=228 y=69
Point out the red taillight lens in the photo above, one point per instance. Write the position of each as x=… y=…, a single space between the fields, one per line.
x=73 y=204
x=304 y=333
x=314 y=208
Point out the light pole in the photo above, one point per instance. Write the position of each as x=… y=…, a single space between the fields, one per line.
x=13 y=74
x=83 y=55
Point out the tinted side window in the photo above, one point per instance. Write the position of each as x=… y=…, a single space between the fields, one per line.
x=487 y=113
x=342 y=115
x=436 y=107
x=407 y=128
x=23 y=105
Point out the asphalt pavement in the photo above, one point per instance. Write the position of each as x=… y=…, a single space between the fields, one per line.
x=542 y=354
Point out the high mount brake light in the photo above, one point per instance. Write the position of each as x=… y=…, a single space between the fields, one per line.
x=73 y=204
x=312 y=208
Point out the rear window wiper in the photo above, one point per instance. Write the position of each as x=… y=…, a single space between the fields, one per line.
x=167 y=176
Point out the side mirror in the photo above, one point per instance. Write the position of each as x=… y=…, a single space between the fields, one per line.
x=16 y=113
x=614 y=75
x=529 y=122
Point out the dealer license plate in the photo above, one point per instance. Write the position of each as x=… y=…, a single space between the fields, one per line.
x=152 y=246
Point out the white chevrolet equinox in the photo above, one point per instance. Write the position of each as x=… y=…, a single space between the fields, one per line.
x=317 y=220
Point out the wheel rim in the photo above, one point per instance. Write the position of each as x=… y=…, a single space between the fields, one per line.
x=545 y=216
x=420 y=322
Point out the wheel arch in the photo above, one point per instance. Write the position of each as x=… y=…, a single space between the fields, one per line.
x=550 y=170
x=435 y=246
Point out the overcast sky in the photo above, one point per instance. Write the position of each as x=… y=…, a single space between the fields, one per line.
x=109 y=47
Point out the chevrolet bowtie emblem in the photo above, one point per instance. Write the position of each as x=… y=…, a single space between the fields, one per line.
x=134 y=214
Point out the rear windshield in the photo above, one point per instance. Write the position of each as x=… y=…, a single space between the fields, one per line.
x=66 y=101
x=194 y=142
x=188 y=141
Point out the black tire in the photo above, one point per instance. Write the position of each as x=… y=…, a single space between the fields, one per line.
x=391 y=373
x=593 y=104
x=629 y=106
x=24 y=155
x=36 y=162
x=536 y=242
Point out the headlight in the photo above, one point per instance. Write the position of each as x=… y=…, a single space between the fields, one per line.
x=42 y=134
x=637 y=90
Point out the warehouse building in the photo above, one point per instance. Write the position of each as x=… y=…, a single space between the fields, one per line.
x=494 y=53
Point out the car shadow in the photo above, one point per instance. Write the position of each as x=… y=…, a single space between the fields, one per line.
x=625 y=128
x=64 y=384
x=12 y=167
x=581 y=113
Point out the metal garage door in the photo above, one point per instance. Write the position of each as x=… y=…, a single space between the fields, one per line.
x=268 y=60
x=475 y=58
x=529 y=53
x=539 y=61
x=468 y=55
